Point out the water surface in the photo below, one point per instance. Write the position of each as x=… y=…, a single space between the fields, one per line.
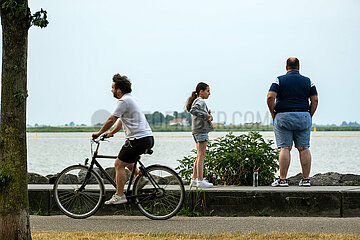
x=49 y=153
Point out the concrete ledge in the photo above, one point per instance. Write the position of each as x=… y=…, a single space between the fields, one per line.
x=351 y=202
x=325 y=201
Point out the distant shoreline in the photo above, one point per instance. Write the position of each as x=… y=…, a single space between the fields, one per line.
x=185 y=129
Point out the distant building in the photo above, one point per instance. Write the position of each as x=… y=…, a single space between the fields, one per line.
x=252 y=123
x=179 y=122
x=216 y=124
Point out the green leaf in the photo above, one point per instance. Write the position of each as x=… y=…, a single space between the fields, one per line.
x=40 y=19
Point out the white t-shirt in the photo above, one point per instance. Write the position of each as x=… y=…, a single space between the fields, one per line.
x=133 y=120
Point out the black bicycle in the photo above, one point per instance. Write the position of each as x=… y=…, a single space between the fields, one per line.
x=79 y=190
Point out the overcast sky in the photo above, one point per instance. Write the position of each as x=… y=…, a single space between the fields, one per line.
x=166 y=47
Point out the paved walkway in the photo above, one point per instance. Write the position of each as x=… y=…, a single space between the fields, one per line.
x=205 y=225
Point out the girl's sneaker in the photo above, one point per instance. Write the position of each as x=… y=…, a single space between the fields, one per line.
x=204 y=184
x=193 y=182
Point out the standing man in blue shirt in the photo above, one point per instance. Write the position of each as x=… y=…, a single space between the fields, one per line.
x=292 y=113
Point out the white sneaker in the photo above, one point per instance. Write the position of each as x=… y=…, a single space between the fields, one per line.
x=204 y=184
x=116 y=199
x=280 y=183
x=193 y=182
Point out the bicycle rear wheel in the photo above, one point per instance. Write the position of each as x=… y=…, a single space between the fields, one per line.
x=163 y=202
x=74 y=202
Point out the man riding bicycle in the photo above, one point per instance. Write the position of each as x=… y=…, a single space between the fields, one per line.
x=138 y=134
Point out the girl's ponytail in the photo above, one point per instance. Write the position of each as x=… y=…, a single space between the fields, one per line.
x=191 y=100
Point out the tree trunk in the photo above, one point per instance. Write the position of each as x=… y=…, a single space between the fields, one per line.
x=14 y=205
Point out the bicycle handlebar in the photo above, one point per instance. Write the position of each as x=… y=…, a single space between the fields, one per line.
x=100 y=138
x=103 y=136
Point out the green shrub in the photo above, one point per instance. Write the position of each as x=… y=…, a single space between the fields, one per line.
x=231 y=160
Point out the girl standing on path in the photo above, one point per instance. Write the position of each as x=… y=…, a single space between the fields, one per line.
x=201 y=126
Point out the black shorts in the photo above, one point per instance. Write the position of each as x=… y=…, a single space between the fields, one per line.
x=132 y=149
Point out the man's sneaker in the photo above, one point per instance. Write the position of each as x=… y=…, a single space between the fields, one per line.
x=305 y=182
x=280 y=183
x=204 y=184
x=193 y=182
x=116 y=199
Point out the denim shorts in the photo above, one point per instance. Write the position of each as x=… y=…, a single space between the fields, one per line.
x=201 y=137
x=292 y=127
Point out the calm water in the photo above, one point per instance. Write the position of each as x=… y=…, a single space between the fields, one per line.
x=49 y=153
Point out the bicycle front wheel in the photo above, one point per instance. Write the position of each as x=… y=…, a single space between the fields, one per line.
x=163 y=201
x=78 y=193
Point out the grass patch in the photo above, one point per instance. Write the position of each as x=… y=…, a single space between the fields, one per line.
x=39 y=235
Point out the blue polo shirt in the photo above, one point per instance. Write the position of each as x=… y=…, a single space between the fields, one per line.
x=293 y=92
